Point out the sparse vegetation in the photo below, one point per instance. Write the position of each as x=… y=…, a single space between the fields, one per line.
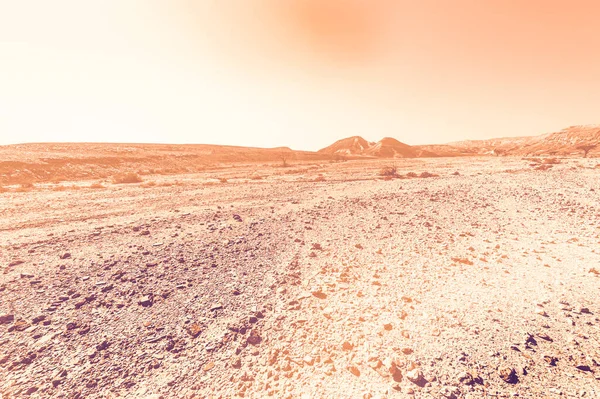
x=25 y=187
x=96 y=186
x=551 y=161
x=149 y=184
x=390 y=171
x=284 y=160
x=586 y=148
x=127 y=178
x=223 y=179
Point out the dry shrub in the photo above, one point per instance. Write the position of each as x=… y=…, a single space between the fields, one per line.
x=223 y=179
x=425 y=175
x=411 y=174
x=296 y=171
x=127 y=178
x=319 y=178
x=543 y=167
x=256 y=177
x=25 y=187
x=149 y=184
x=389 y=171
x=96 y=186
x=551 y=161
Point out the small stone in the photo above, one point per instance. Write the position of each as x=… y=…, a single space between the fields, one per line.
x=407 y=351
x=66 y=255
x=208 y=366
x=354 y=370
x=319 y=294
x=509 y=375
x=309 y=360
x=236 y=362
x=216 y=306
x=71 y=326
x=415 y=376
x=20 y=325
x=6 y=318
x=542 y=313
x=254 y=339
x=145 y=301
x=194 y=330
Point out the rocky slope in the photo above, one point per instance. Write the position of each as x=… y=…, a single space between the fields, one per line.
x=566 y=142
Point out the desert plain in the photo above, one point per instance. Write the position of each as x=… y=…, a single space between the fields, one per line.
x=463 y=277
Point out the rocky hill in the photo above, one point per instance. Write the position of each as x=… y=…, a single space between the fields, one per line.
x=570 y=141
x=354 y=145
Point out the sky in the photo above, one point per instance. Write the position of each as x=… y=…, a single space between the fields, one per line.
x=296 y=73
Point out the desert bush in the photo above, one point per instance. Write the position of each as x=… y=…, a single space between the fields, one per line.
x=551 y=161
x=425 y=175
x=96 y=186
x=411 y=174
x=223 y=179
x=389 y=171
x=25 y=187
x=127 y=178
x=149 y=184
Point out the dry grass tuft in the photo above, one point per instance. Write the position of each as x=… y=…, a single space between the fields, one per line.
x=551 y=161
x=127 y=178
x=149 y=184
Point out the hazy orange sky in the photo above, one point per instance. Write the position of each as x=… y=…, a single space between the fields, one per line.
x=297 y=73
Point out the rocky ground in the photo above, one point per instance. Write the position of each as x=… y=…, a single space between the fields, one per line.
x=314 y=281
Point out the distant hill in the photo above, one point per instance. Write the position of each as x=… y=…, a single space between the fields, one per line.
x=51 y=162
x=354 y=145
x=385 y=148
x=566 y=142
